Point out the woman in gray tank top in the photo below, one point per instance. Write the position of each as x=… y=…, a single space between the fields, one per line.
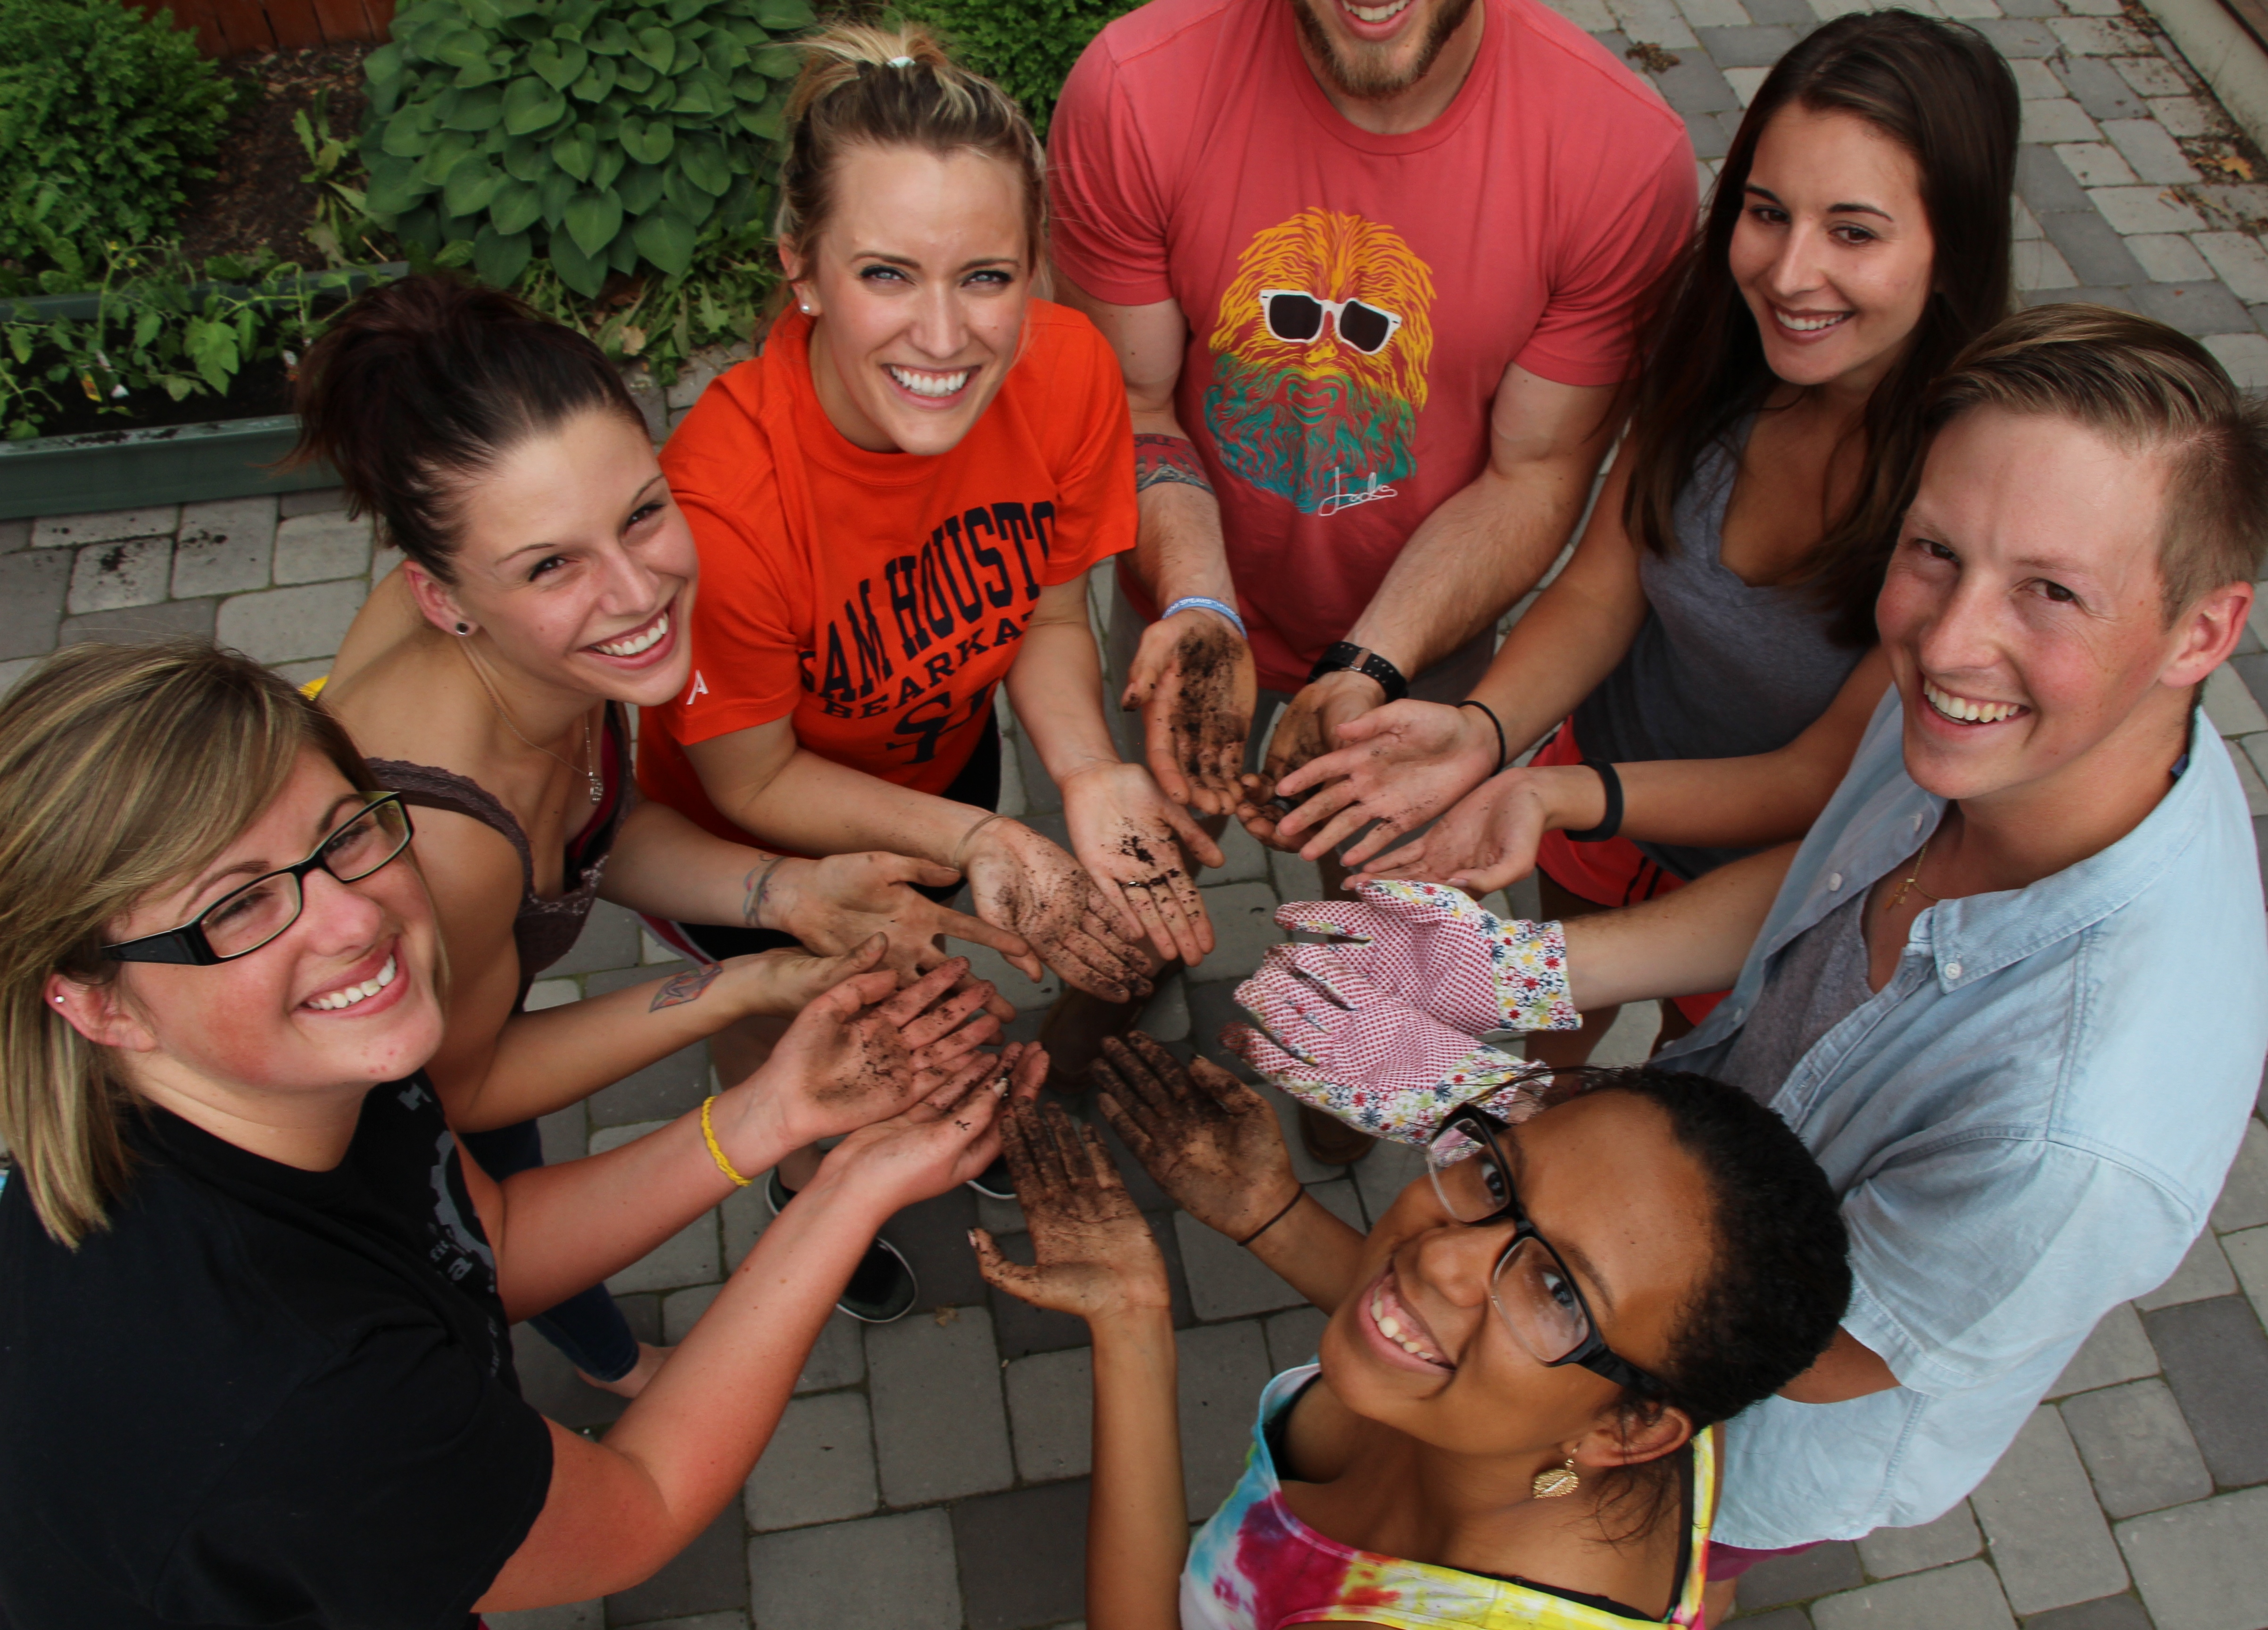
x=1707 y=653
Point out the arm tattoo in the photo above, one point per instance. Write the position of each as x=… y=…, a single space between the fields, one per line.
x=685 y=987
x=1167 y=458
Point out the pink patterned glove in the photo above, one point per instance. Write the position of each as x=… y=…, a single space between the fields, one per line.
x=1430 y=945
x=1330 y=1037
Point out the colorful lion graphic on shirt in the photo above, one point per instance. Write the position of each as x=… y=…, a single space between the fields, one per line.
x=1320 y=355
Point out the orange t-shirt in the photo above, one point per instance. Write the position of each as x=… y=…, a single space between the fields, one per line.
x=878 y=597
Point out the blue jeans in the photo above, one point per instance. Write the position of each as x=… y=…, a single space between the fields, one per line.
x=587 y=1327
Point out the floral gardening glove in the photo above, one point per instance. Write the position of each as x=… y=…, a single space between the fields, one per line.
x=1430 y=945
x=1333 y=1039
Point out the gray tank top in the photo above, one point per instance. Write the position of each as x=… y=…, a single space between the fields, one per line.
x=1818 y=980
x=1720 y=669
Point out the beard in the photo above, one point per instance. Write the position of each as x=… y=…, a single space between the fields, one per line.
x=1319 y=442
x=1367 y=72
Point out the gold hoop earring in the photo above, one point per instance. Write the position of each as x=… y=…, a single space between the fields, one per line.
x=1553 y=1481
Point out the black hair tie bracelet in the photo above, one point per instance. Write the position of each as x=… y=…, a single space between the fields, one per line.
x=1613 y=824
x=1501 y=754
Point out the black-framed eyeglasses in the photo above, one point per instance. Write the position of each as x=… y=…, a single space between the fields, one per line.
x=1530 y=1287
x=244 y=919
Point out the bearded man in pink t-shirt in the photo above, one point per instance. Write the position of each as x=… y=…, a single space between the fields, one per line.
x=1373 y=273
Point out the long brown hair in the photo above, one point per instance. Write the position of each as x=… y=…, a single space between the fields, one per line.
x=1940 y=92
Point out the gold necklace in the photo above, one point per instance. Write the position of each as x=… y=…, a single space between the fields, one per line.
x=590 y=775
x=1913 y=880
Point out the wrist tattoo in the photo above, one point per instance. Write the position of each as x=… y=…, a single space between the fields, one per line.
x=755 y=885
x=680 y=988
x=1160 y=458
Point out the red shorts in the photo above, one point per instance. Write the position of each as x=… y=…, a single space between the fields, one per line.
x=1611 y=873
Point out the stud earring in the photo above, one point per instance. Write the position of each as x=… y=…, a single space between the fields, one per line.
x=464 y=628
x=1553 y=1481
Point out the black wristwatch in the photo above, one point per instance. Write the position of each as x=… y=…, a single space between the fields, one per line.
x=1369 y=664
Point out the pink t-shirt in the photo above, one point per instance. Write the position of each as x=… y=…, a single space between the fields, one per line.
x=1194 y=157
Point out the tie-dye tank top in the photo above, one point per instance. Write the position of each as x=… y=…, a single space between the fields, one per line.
x=1257 y=1566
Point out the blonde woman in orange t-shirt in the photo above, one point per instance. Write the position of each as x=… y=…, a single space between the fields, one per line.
x=896 y=506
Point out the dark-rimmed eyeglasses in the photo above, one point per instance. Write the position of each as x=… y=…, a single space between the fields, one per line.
x=1530 y=1287
x=244 y=919
x=1297 y=316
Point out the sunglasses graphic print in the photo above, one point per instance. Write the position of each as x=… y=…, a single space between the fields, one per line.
x=1297 y=316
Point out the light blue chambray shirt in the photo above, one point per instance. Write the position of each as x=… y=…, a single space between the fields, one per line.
x=2027 y=1124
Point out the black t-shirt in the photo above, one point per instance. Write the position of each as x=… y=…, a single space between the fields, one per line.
x=263 y=1396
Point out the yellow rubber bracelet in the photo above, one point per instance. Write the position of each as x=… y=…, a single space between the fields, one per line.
x=715 y=1151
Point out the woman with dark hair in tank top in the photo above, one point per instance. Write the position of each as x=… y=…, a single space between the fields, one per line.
x=1718 y=616
x=548 y=580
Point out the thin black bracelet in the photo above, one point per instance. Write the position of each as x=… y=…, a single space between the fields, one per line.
x=1613 y=824
x=1501 y=754
x=1273 y=1221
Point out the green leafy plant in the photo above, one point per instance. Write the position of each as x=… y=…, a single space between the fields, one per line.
x=1026 y=46
x=599 y=137
x=103 y=113
x=158 y=324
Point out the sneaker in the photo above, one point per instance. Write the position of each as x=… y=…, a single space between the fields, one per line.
x=882 y=1287
x=994 y=1183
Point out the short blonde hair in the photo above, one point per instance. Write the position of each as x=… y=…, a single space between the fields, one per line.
x=122 y=770
x=895 y=85
x=2148 y=387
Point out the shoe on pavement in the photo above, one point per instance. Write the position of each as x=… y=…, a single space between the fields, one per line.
x=994 y=1182
x=882 y=1287
x=1331 y=1141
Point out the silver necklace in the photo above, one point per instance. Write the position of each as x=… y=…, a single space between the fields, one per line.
x=590 y=775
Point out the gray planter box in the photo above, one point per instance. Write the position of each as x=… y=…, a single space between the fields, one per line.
x=125 y=469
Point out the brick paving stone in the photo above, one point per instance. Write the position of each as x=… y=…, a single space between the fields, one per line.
x=2110 y=1612
x=315 y=548
x=1797 y=14
x=1746 y=82
x=15 y=535
x=880 y=1573
x=1778 y=1580
x=934 y=1237
x=1381 y=1174
x=2248 y=1254
x=838 y=1358
x=2037 y=81
x=819 y=1466
x=2203 y=1272
x=2244 y=1202
x=665 y=1088
x=1746 y=47
x=173 y=619
x=312 y=501
x=32 y=583
x=1223 y=1368
x=2050 y=1542
x=709 y=1575
x=1891 y=1552
x=1293 y=1337
x=1779 y=1618
x=2203 y=1566
x=609 y=939
x=2091 y=36
x=549 y=1384
x=1657 y=22
x=1965 y=1598
x=2168 y=257
x=225 y=547
x=1023 y=1556
x=2093 y=248
x=734 y=1619
x=2100 y=87
x=2145 y=209
x=2059 y=121
x=1716 y=14
x=69 y=531
x=940 y=1428
x=688 y=1257
x=2185 y=115
x=2046 y=184
x=1226 y=1280
x=2216 y=1362
x=2037 y=265
x=1167 y=1018
x=2019 y=37
x=1245 y=858
x=1695 y=86
x=2231 y=707
x=1051 y=1413
x=1244 y=927
x=2239 y=261
x=571 y=1616
x=123 y=572
x=681 y=1310
x=2245 y=356
x=2153 y=154
x=2151 y=75
x=2196 y=308
x=2137 y=1447
x=290 y=624
x=14 y=671
x=2095 y=163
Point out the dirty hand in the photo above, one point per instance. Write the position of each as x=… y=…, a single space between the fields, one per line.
x=945 y=1138
x=1488 y=839
x=1194 y=680
x=833 y=904
x=1021 y=882
x=1206 y=1139
x=1308 y=730
x=1138 y=844
x=1095 y=1255
x=1400 y=766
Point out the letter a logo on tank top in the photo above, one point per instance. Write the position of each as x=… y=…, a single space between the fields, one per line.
x=1319 y=358
x=700 y=688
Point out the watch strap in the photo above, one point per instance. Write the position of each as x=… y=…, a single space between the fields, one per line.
x=1344 y=656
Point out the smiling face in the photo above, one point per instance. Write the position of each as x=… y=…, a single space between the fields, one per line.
x=575 y=564
x=918 y=282
x=1833 y=251
x=344 y=998
x=1373 y=51
x=1604 y=1180
x=2024 y=612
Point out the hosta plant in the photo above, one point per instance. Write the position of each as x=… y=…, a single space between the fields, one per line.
x=597 y=135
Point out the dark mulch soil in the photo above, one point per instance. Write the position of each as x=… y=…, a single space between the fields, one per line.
x=256 y=197
x=263 y=389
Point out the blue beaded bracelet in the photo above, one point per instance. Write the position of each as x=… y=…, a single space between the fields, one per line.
x=1204 y=602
